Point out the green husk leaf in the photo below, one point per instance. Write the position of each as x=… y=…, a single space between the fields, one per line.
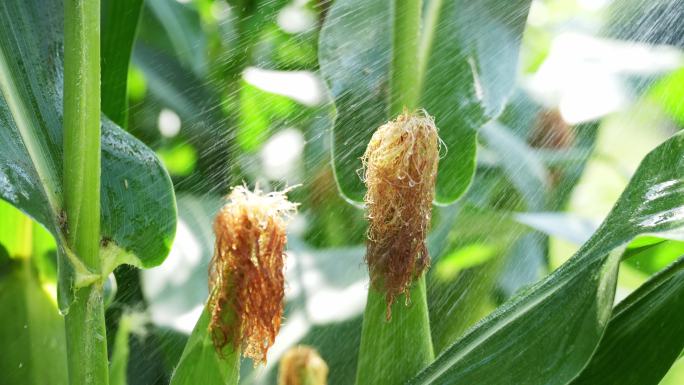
x=403 y=344
x=34 y=348
x=201 y=363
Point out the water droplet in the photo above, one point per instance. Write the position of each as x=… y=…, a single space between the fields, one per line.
x=21 y=365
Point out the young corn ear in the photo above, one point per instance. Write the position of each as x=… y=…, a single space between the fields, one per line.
x=400 y=168
x=246 y=271
x=302 y=365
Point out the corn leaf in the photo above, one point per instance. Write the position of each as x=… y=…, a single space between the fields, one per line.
x=34 y=349
x=118 y=365
x=138 y=206
x=548 y=333
x=645 y=336
x=469 y=53
x=119 y=25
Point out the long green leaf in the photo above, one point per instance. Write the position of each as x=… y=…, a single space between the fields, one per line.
x=121 y=352
x=470 y=69
x=32 y=332
x=138 y=205
x=547 y=334
x=644 y=337
x=468 y=53
x=119 y=24
x=182 y=24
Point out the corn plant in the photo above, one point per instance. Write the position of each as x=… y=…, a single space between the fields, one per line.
x=413 y=84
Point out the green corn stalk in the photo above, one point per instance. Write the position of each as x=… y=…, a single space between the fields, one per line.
x=405 y=87
x=85 y=326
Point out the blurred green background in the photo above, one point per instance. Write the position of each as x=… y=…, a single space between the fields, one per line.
x=229 y=93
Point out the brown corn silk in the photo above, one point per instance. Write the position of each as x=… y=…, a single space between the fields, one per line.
x=400 y=168
x=246 y=271
x=551 y=131
x=302 y=365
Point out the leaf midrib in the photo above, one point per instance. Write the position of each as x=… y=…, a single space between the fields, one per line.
x=28 y=128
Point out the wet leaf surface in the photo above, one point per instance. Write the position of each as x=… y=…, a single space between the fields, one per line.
x=138 y=204
x=645 y=336
x=547 y=333
x=470 y=51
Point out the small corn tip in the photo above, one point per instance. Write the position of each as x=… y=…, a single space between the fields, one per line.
x=400 y=169
x=302 y=365
x=246 y=271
